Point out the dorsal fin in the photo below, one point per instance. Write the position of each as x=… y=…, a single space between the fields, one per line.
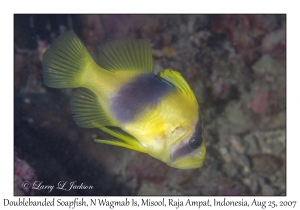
x=178 y=81
x=126 y=54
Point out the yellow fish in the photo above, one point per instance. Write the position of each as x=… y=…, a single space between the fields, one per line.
x=121 y=95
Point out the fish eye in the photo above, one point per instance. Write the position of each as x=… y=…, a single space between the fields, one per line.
x=194 y=142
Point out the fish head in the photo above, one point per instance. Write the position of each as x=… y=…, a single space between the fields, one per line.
x=188 y=150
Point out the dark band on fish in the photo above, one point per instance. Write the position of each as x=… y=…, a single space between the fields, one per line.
x=134 y=97
x=193 y=144
x=196 y=140
x=180 y=151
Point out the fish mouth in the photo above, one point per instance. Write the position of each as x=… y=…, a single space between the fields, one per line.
x=186 y=145
x=180 y=147
x=183 y=156
x=188 y=160
x=183 y=150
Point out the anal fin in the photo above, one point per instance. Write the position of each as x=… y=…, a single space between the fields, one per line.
x=89 y=113
x=87 y=110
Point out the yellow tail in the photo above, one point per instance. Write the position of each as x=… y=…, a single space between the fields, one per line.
x=65 y=61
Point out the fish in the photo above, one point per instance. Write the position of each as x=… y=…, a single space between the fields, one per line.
x=119 y=93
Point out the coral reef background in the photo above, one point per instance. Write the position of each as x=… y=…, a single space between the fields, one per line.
x=236 y=65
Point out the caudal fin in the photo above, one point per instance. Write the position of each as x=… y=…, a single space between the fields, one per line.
x=65 y=61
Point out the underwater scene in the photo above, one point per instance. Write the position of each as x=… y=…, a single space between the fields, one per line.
x=177 y=104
